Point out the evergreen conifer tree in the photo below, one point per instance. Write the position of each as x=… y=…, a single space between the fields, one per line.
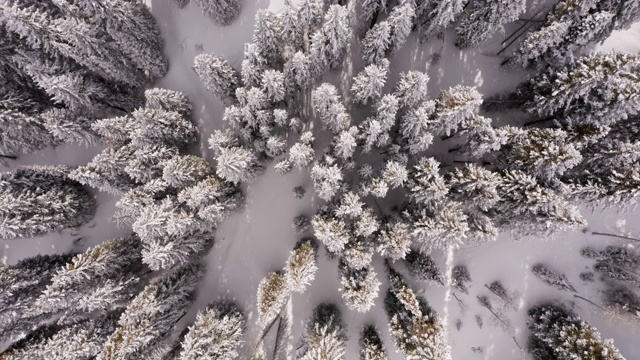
x=415 y=328
x=273 y=292
x=217 y=333
x=483 y=18
x=221 y=11
x=267 y=35
x=151 y=316
x=329 y=107
x=557 y=333
x=368 y=84
x=371 y=346
x=325 y=336
x=38 y=200
x=217 y=76
x=20 y=286
x=301 y=266
x=112 y=267
x=359 y=287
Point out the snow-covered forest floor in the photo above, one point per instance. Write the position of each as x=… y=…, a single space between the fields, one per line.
x=258 y=240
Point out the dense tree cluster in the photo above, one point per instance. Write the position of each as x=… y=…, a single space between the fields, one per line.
x=66 y=64
x=76 y=71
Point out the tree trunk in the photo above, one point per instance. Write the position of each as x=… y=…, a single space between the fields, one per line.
x=538 y=121
x=614 y=236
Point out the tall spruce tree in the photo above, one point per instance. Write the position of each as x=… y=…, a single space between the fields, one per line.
x=416 y=330
x=325 y=336
x=557 y=333
x=217 y=333
x=21 y=284
x=37 y=200
x=150 y=317
x=221 y=11
x=483 y=18
x=217 y=76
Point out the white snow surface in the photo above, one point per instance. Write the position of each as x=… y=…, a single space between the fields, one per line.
x=259 y=239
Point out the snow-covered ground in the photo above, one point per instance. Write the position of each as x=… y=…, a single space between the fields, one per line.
x=259 y=239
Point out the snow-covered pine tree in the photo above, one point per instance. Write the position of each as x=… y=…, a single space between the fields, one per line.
x=327 y=178
x=425 y=183
x=20 y=286
x=106 y=171
x=375 y=131
x=557 y=333
x=273 y=85
x=372 y=8
x=253 y=65
x=412 y=88
x=267 y=35
x=421 y=266
x=109 y=269
x=236 y=164
x=456 y=111
x=416 y=329
x=329 y=107
x=292 y=28
x=570 y=26
x=608 y=171
x=371 y=346
x=186 y=170
x=81 y=340
x=297 y=74
x=301 y=266
x=135 y=33
x=217 y=333
x=335 y=37
x=368 y=84
x=483 y=18
x=21 y=133
x=39 y=199
x=394 y=240
x=440 y=225
x=527 y=206
x=332 y=232
x=217 y=76
x=344 y=144
x=543 y=153
x=212 y=199
x=74 y=38
x=302 y=154
x=434 y=16
x=311 y=12
x=151 y=316
x=221 y=11
x=168 y=100
x=579 y=92
x=359 y=287
x=148 y=162
x=273 y=293
x=401 y=22
x=171 y=235
x=326 y=335
x=416 y=126
x=376 y=43
x=154 y=126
